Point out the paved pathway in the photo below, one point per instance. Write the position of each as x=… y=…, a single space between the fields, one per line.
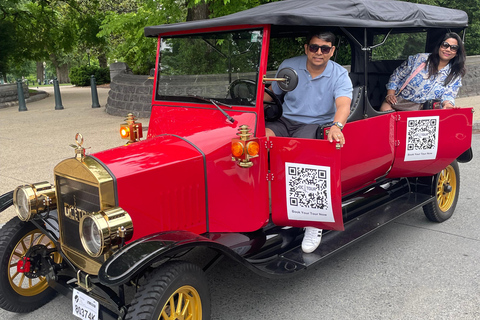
x=32 y=142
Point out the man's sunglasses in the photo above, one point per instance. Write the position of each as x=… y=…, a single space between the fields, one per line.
x=446 y=45
x=313 y=48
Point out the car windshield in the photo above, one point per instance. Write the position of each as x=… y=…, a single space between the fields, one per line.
x=223 y=66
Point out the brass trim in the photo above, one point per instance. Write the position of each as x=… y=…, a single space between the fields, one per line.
x=265 y=79
x=91 y=172
x=79 y=149
x=85 y=263
x=87 y=286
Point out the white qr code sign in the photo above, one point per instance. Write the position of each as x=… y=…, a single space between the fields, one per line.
x=422 y=138
x=308 y=192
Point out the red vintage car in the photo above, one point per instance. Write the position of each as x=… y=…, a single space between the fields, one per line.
x=206 y=176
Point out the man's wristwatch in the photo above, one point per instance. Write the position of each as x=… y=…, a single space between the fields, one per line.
x=338 y=124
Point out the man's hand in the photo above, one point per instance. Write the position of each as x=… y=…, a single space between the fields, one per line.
x=343 y=110
x=336 y=134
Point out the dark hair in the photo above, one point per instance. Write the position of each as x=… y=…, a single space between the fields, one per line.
x=457 y=64
x=324 y=35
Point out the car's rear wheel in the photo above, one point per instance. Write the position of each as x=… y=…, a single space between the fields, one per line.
x=19 y=293
x=175 y=290
x=447 y=188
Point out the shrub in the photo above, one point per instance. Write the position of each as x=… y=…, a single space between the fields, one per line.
x=80 y=76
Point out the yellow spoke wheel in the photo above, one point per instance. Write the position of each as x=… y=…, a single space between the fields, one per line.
x=447 y=187
x=19 y=282
x=19 y=293
x=183 y=304
x=176 y=290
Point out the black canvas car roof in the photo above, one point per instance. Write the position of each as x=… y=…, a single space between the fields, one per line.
x=331 y=13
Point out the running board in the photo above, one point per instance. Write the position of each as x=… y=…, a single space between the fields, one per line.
x=333 y=241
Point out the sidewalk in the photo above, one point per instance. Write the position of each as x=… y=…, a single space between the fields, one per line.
x=471 y=102
x=32 y=142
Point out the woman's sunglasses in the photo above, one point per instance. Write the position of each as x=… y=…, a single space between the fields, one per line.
x=313 y=48
x=446 y=45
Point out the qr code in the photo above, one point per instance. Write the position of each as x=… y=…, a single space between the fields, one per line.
x=422 y=134
x=308 y=188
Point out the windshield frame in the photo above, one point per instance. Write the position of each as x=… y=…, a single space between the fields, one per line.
x=193 y=101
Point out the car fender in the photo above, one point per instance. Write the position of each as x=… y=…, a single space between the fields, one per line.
x=467 y=156
x=6 y=200
x=135 y=257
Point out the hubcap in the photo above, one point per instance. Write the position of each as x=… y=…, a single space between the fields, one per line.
x=19 y=282
x=183 y=304
x=446 y=188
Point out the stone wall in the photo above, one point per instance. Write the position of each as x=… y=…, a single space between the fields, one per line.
x=9 y=93
x=471 y=81
x=130 y=93
x=133 y=93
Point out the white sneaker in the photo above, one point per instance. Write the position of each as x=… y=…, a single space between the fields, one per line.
x=311 y=239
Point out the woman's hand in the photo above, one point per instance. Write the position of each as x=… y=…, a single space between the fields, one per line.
x=448 y=105
x=391 y=99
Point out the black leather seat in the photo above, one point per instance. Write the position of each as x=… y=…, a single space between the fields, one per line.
x=356 y=110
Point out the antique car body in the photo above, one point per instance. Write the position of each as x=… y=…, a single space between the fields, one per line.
x=126 y=217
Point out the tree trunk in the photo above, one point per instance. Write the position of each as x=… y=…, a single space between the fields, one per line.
x=40 y=72
x=61 y=70
x=102 y=60
x=198 y=12
x=62 y=74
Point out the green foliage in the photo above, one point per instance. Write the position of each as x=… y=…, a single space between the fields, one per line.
x=81 y=76
x=60 y=31
x=227 y=53
x=472 y=38
x=125 y=32
x=399 y=46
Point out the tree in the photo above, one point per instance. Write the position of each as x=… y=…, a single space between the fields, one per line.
x=125 y=31
x=472 y=36
x=68 y=33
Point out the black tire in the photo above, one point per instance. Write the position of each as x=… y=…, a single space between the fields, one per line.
x=164 y=286
x=447 y=189
x=17 y=292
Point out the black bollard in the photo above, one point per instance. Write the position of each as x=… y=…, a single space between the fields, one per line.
x=21 y=97
x=58 y=97
x=93 y=87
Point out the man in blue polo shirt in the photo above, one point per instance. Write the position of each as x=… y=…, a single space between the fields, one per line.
x=323 y=95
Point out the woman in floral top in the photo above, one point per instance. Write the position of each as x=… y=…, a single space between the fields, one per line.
x=440 y=79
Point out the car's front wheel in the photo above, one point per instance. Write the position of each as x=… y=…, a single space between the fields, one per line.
x=19 y=292
x=447 y=189
x=175 y=290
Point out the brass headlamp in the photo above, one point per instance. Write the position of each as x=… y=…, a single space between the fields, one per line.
x=103 y=230
x=33 y=199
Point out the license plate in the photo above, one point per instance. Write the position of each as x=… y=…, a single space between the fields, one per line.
x=84 y=307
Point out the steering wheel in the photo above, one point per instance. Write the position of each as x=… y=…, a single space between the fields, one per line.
x=245 y=89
